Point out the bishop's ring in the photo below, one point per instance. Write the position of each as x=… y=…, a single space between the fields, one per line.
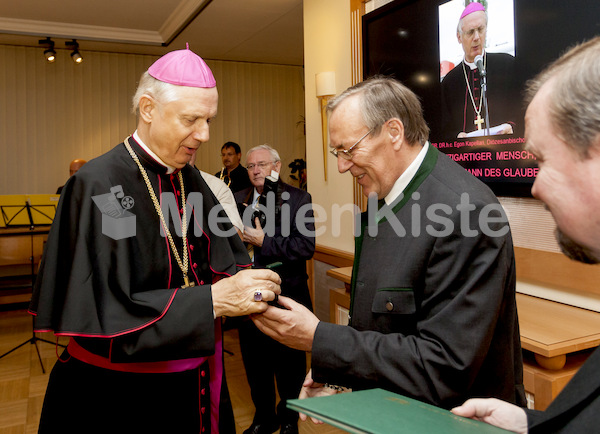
x=257 y=296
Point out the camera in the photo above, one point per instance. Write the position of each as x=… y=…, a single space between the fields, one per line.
x=271 y=186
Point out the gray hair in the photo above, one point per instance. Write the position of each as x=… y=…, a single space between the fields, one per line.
x=265 y=147
x=574 y=102
x=159 y=90
x=384 y=98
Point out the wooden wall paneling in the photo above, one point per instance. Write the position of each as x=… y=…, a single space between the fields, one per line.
x=555 y=269
x=332 y=256
x=339 y=305
x=325 y=259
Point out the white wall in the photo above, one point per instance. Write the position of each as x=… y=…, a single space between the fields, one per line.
x=327 y=48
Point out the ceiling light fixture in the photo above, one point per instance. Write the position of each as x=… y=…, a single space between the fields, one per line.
x=75 y=55
x=49 y=53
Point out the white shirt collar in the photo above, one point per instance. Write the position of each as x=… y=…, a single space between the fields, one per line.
x=402 y=182
x=136 y=136
x=472 y=65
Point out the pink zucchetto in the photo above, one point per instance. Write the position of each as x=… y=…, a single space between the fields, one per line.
x=472 y=7
x=183 y=68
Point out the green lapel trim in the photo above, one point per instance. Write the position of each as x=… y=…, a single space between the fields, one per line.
x=424 y=171
x=357 y=249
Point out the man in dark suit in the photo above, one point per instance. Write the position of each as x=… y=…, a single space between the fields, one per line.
x=433 y=312
x=285 y=243
x=562 y=126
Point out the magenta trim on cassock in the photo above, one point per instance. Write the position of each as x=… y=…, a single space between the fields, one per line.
x=215 y=363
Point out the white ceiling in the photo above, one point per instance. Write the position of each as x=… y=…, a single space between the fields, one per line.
x=265 y=31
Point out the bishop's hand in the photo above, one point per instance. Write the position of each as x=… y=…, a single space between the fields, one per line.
x=245 y=293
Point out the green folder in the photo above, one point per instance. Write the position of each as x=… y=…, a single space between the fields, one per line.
x=380 y=411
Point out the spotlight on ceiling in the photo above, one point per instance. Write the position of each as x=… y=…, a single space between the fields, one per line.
x=49 y=53
x=75 y=55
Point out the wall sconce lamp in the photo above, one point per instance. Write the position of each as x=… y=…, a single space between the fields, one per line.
x=325 y=90
x=75 y=55
x=49 y=53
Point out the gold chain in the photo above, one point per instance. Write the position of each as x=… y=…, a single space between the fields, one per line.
x=222 y=177
x=182 y=264
x=469 y=88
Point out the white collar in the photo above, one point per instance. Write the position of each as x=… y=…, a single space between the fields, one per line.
x=136 y=136
x=472 y=65
x=402 y=182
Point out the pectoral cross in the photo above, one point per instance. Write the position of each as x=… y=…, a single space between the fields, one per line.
x=478 y=121
x=187 y=283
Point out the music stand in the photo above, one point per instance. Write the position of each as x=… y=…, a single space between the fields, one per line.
x=14 y=221
x=24 y=210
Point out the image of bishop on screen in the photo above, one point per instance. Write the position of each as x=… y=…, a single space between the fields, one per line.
x=480 y=87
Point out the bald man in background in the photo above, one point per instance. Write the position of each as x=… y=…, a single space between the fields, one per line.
x=75 y=165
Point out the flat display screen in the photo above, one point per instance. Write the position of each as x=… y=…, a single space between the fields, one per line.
x=477 y=120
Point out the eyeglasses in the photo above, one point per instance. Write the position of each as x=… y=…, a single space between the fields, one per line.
x=346 y=154
x=262 y=165
x=471 y=33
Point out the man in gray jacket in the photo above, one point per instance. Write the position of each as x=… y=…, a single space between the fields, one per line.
x=433 y=312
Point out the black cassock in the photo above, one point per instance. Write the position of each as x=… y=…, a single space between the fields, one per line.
x=117 y=292
x=503 y=91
